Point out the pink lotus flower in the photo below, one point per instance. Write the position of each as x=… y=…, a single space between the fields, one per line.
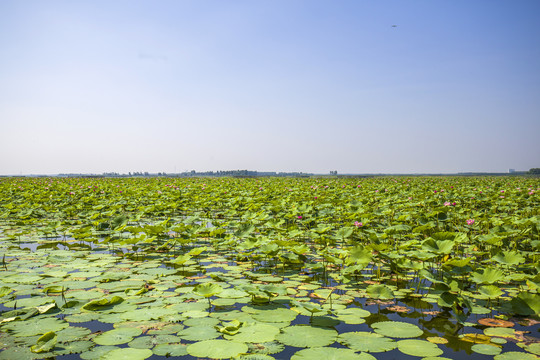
x=300 y=217
x=315 y=197
x=470 y=221
x=453 y=204
x=447 y=203
x=357 y=224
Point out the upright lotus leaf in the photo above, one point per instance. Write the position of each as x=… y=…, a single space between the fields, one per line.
x=359 y=255
x=207 y=289
x=438 y=247
x=487 y=276
x=526 y=304
x=102 y=304
x=4 y=290
x=181 y=260
x=397 y=329
x=45 y=343
x=306 y=336
x=330 y=353
x=380 y=291
x=491 y=291
x=197 y=251
x=509 y=258
x=229 y=328
x=216 y=349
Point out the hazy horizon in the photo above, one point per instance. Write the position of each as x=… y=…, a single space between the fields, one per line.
x=306 y=86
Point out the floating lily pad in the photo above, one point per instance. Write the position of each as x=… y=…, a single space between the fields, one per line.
x=418 y=348
x=127 y=354
x=199 y=333
x=255 y=333
x=365 y=341
x=513 y=355
x=45 y=343
x=216 y=349
x=34 y=327
x=329 y=353
x=117 y=336
x=486 y=349
x=306 y=336
x=397 y=329
x=272 y=347
x=169 y=350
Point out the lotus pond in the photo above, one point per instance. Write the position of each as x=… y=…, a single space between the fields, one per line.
x=222 y=268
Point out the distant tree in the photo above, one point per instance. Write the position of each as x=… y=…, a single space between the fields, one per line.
x=535 y=171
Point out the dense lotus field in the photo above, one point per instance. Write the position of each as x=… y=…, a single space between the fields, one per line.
x=311 y=268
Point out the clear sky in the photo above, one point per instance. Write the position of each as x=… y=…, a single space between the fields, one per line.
x=292 y=85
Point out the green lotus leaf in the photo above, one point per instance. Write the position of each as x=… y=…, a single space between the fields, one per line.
x=148 y=342
x=199 y=333
x=329 y=353
x=205 y=321
x=491 y=291
x=72 y=333
x=38 y=326
x=513 y=355
x=486 y=349
x=533 y=348
x=254 y=333
x=207 y=290
x=306 y=336
x=216 y=349
x=254 y=357
x=275 y=315
x=102 y=304
x=499 y=331
x=170 y=350
x=45 y=343
x=117 y=336
x=438 y=246
x=127 y=354
x=418 y=348
x=231 y=293
x=97 y=352
x=397 y=329
x=365 y=341
x=381 y=292
x=508 y=258
x=73 y=347
x=4 y=290
x=487 y=276
x=272 y=347
x=353 y=315
x=526 y=304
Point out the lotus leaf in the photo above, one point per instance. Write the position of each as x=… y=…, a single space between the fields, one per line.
x=272 y=347
x=306 y=336
x=127 y=354
x=36 y=326
x=45 y=343
x=513 y=355
x=397 y=329
x=329 y=353
x=365 y=341
x=254 y=333
x=381 y=292
x=418 y=348
x=199 y=333
x=117 y=336
x=486 y=349
x=275 y=315
x=216 y=349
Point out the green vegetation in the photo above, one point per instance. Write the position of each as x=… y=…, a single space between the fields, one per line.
x=255 y=267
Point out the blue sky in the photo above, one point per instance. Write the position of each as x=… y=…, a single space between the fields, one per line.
x=313 y=86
